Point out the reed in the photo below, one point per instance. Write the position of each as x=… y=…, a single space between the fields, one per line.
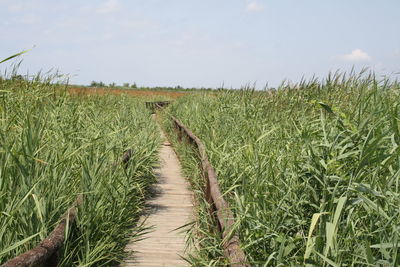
x=311 y=170
x=55 y=146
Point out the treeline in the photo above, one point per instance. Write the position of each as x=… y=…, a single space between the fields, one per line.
x=134 y=86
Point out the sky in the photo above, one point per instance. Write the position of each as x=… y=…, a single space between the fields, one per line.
x=201 y=43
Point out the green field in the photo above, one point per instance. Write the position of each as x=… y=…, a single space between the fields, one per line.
x=311 y=170
x=54 y=147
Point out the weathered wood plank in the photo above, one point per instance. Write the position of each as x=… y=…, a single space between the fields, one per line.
x=170 y=208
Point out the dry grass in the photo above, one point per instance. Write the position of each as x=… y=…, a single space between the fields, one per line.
x=131 y=92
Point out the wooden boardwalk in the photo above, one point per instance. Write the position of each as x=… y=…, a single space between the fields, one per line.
x=170 y=208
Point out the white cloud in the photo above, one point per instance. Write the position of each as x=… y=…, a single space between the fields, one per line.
x=357 y=55
x=109 y=6
x=254 y=6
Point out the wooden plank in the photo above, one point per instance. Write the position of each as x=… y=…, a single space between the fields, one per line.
x=170 y=208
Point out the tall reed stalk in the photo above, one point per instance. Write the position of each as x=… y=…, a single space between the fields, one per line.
x=311 y=170
x=53 y=147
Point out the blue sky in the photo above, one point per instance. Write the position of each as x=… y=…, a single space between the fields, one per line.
x=201 y=43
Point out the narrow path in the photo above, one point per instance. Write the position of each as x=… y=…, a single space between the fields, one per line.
x=170 y=208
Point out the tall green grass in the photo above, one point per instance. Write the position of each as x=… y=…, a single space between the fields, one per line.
x=311 y=170
x=54 y=147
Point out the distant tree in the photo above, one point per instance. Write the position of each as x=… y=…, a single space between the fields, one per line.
x=134 y=86
x=17 y=77
x=113 y=84
x=97 y=84
x=125 y=85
